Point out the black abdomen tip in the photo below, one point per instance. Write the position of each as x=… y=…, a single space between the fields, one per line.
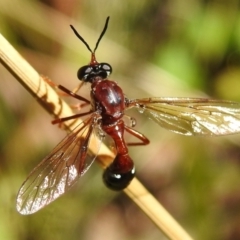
x=117 y=181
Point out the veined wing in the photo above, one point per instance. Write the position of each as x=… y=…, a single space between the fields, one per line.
x=192 y=116
x=60 y=169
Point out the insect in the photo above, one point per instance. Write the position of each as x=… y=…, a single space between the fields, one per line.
x=69 y=160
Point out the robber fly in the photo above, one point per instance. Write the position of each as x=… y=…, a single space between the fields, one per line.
x=69 y=160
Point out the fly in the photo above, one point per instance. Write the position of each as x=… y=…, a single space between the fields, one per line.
x=69 y=160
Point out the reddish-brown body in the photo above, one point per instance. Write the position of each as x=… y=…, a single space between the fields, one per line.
x=108 y=98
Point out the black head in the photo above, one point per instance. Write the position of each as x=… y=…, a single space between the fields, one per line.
x=94 y=69
x=89 y=72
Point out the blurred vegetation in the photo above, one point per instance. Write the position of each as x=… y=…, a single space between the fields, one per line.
x=156 y=48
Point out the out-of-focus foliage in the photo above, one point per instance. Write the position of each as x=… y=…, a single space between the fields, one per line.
x=156 y=48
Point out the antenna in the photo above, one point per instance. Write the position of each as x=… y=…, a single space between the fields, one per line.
x=99 y=39
x=103 y=32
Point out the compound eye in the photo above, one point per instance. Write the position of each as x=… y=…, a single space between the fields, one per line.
x=84 y=72
x=105 y=67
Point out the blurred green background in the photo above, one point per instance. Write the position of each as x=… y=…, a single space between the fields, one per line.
x=156 y=48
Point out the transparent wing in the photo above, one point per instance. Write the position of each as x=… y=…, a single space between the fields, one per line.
x=60 y=169
x=192 y=116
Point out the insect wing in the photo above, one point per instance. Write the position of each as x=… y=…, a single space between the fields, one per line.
x=192 y=116
x=60 y=169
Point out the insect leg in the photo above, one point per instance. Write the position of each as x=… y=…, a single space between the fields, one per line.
x=54 y=85
x=60 y=120
x=66 y=91
x=140 y=136
x=73 y=94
